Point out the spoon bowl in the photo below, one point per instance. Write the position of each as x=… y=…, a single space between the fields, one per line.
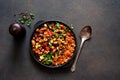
x=86 y=32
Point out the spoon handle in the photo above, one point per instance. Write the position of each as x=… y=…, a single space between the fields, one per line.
x=77 y=55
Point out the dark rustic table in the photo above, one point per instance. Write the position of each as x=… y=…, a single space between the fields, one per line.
x=100 y=58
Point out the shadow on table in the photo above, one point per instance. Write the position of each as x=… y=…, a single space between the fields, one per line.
x=16 y=50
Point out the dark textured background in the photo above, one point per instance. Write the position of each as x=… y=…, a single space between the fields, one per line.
x=100 y=58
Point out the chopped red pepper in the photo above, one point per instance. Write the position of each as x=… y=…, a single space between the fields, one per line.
x=49 y=32
x=47 y=48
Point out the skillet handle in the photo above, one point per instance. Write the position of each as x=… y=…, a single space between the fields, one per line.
x=38 y=23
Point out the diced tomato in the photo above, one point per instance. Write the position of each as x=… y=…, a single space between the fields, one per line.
x=49 y=32
x=45 y=44
x=42 y=41
x=47 y=48
x=53 y=50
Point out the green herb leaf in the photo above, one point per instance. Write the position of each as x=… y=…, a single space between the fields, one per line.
x=32 y=15
x=54 y=37
x=22 y=20
x=29 y=23
x=52 y=53
x=66 y=29
x=58 y=25
x=54 y=30
x=50 y=45
x=72 y=27
x=60 y=36
x=48 y=59
x=64 y=35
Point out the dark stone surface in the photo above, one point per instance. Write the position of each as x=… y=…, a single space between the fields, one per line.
x=100 y=58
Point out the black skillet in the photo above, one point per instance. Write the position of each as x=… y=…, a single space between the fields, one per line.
x=38 y=25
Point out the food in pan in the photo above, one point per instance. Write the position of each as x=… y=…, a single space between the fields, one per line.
x=53 y=43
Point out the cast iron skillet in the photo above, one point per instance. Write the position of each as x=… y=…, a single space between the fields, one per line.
x=38 y=25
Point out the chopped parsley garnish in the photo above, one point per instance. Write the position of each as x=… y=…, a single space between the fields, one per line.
x=58 y=25
x=66 y=29
x=26 y=18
